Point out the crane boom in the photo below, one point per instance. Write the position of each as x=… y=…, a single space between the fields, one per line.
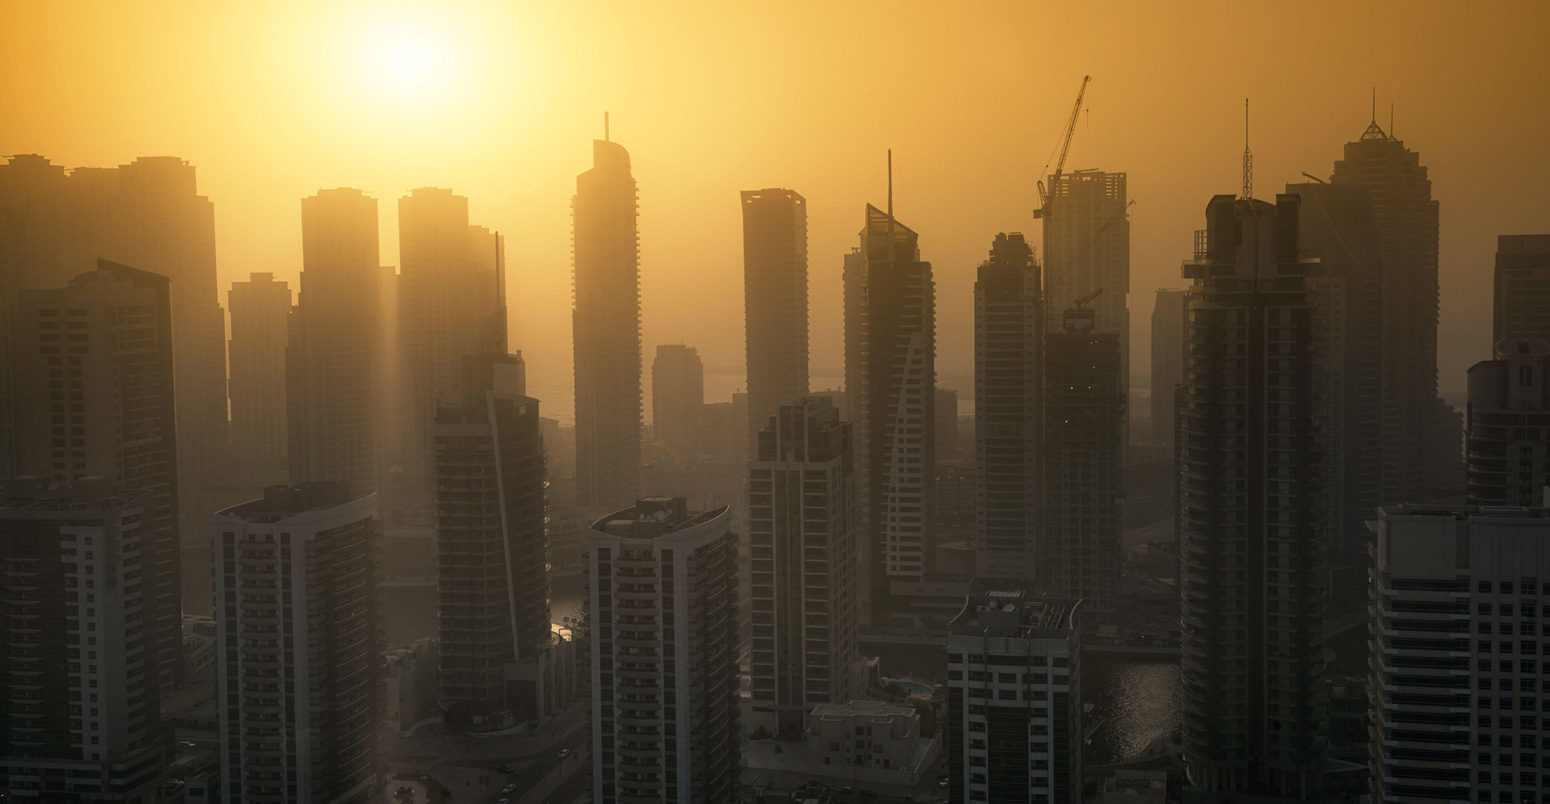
x=1046 y=196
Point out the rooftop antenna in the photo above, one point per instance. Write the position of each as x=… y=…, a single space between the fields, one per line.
x=1248 y=156
x=605 y=127
x=1374 y=104
x=1391 y=120
x=890 y=207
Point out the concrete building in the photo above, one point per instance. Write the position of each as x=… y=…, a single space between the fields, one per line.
x=81 y=714
x=678 y=398
x=1084 y=419
x=805 y=566
x=890 y=382
x=774 y=299
x=1252 y=550
x=1014 y=698
x=1087 y=250
x=1169 y=318
x=450 y=284
x=332 y=378
x=1522 y=308
x=606 y=331
x=299 y=672
x=864 y=735
x=497 y=651
x=1008 y=377
x=1508 y=436
x=409 y=689
x=662 y=596
x=94 y=398
x=1457 y=598
x=946 y=426
x=260 y=310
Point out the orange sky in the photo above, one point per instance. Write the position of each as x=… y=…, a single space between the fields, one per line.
x=273 y=102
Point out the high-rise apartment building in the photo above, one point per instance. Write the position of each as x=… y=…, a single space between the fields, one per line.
x=1169 y=316
x=1419 y=432
x=79 y=706
x=94 y=398
x=774 y=299
x=1014 y=698
x=1507 y=438
x=260 y=311
x=1087 y=251
x=805 y=566
x=1252 y=551
x=606 y=331
x=890 y=382
x=332 y=376
x=299 y=648
x=663 y=605
x=1459 y=597
x=450 y=285
x=1522 y=308
x=496 y=658
x=946 y=425
x=677 y=397
x=1084 y=417
x=1008 y=372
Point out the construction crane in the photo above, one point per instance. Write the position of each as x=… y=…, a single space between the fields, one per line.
x=1047 y=195
x=1082 y=302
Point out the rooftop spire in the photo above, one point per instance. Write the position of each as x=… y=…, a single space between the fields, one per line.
x=1248 y=156
x=605 y=127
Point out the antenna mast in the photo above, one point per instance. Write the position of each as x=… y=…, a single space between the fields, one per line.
x=605 y=127
x=1248 y=156
x=890 y=207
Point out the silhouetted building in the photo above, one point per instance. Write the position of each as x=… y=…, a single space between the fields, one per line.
x=79 y=709
x=890 y=382
x=774 y=299
x=606 y=331
x=1014 y=698
x=805 y=565
x=449 y=287
x=1508 y=435
x=496 y=662
x=1087 y=251
x=299 y=667
x=1008 y=376
x=1169 y=316
x=677 y=397
x=663 y=603
x=1084 y=416
x=946 y=426
x=260 y=309
x=1252 y=581
x=1419 y=432
x=332 y=378
x=1446 y=580
x=1522 y=287
x=94 y=369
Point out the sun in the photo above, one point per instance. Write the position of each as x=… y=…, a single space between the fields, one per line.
x=408 y=62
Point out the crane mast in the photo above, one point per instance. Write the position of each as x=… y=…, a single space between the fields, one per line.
x=1046 y=195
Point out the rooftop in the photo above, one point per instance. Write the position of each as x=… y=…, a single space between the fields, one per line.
x=651 y=517
x=1013 y=613
x=281 y=502
x=39 y=494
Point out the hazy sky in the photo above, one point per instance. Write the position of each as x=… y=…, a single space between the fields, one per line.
x=499 y=101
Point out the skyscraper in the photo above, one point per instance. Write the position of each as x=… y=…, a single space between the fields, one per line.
x=1169 y=314
x=1419 y=433
x=81 y=717
x=332 y=378
x=94 y=363
x=805 y=566
x=774 y=299
x=1252 y=552
x=299 y=650
x=1087 y=250
x=677 y=396
x=1008 y=372
x=260 y=310
x=1508 y=426
x=495 y=652
x=1014 y=698
x=890 y=382
x=606 y=331
x=1084 y=417
x=1446 y=578
x=1522 y=287
x=663 y=602
x=449 y=287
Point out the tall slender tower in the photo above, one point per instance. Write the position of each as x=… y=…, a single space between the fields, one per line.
x=260 y=309
x=1087 y=250
x=606 y=331
x=774 y=299
x=332 y=378
x=677 y=397
x=890 y=379
x=1008 y=370
x=1252 y=583
x=1168 y=316
x=94 y=369
x=1522 y=287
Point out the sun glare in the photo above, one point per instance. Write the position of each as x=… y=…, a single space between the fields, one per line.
x=408 y=62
